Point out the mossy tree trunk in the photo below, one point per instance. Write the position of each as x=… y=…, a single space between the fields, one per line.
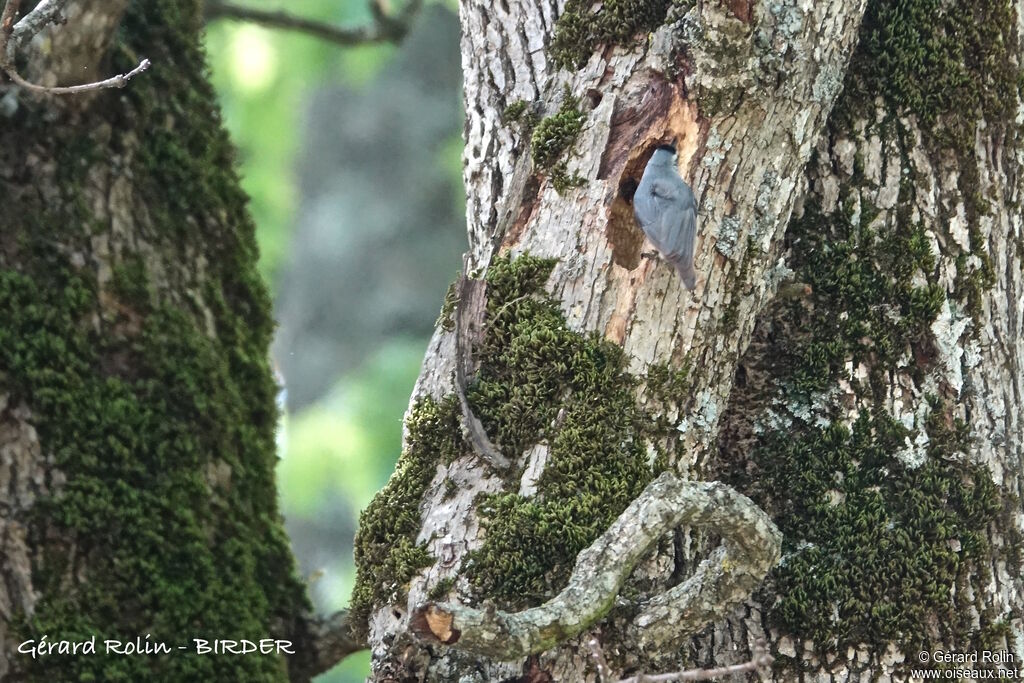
x=850 y=358
x=137 y=408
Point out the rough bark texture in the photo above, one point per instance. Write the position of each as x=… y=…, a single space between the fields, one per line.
x=852 y=365
x=137 y=410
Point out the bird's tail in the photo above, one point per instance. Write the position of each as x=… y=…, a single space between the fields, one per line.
x=684 y=267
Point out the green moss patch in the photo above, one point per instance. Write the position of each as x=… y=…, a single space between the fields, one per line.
x=580 y=29
x=155 y=401
x=539 y=381
x=446 y=318
x=521 y=112
x=876 y=551
x=386 y=553
x=941 y=60
x=950 y=64
x=167 y=552
x=866 y=275
x=554 y=135
x=871 y=547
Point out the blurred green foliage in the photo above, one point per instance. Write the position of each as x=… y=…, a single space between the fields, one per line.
x=338 y=452
x=263 y=77
x=344 y=448
x=346 y=445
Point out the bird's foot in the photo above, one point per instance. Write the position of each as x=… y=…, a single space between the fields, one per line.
x=649 y=254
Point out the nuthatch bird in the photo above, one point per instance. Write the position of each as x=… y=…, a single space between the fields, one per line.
x=665 y=208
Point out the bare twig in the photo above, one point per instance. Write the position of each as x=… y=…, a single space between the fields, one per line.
x=118 y=81
x=14 y=36
x=470 y=303
x=759 y=659
x=750 y=547
x=384 y=29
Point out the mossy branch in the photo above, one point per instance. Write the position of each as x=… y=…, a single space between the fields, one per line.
x=751 y=546
x=325 y=642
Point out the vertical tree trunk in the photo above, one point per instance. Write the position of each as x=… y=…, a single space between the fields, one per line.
x=849 y=359
x=137 y=410
x=895 y=383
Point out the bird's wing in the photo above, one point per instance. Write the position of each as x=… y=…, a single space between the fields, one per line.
x=667 y=188
x=682 y=247
x=653 y=197
x=663 y=213
x=666 y=211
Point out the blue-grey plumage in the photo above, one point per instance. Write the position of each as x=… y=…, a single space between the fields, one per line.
x=667 y=212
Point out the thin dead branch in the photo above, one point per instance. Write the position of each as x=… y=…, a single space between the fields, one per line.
x=385 y=28
x=760 y=659
x=118 y=81
x=15 y=35
x=45 y=12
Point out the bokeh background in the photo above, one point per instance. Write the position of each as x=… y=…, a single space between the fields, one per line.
x=351 y=157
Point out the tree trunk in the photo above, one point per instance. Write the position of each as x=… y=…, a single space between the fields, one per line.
x=850 y=358
x=137 y=408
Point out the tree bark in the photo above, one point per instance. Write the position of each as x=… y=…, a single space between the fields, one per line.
x=850 y=357
x=137 y=408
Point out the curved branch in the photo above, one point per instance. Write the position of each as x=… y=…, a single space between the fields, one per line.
x=118 y=81
x=384 y=29
x=750 y=547
x=471 y=303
